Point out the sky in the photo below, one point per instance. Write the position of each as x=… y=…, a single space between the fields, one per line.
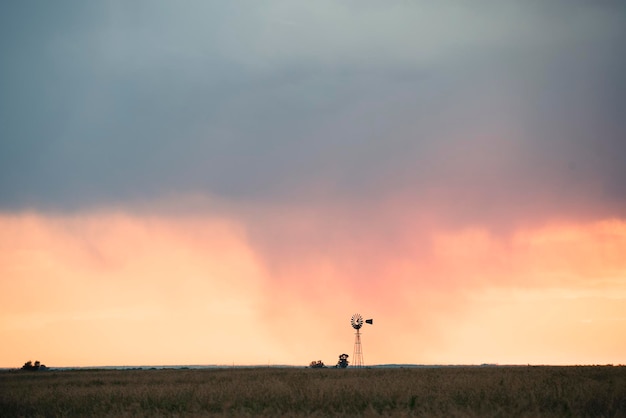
x=214 y=182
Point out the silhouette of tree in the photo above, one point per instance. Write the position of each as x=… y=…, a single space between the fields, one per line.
x=343 y=361
x=319 y=364
x=33 y=367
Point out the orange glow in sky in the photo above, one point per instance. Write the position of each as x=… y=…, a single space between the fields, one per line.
x=112 y=288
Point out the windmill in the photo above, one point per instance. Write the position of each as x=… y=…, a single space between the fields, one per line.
x=357 y=323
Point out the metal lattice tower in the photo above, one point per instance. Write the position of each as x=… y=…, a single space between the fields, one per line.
x=357 y=355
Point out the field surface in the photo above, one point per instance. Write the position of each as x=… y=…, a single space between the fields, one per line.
x=429 y=392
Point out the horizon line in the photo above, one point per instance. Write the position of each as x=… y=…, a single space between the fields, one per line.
x=242 y=366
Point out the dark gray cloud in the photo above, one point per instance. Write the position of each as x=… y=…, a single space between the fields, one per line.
x=518 y=104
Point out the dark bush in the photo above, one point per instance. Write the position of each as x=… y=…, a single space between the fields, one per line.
x=33 y=367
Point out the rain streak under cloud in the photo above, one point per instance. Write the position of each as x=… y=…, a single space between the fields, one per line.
x=454 y=170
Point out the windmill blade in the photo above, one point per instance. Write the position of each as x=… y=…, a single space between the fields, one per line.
x=356 y=321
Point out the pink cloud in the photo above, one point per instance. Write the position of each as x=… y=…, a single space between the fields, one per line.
x=120 y=288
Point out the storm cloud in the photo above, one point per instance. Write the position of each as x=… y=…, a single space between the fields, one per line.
x=490 y=111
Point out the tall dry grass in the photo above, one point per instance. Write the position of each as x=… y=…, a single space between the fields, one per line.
x=436 y=392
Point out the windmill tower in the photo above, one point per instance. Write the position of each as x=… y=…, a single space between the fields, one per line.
x=357 y=355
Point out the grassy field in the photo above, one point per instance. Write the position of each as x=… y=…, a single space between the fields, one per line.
x=437 y=392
